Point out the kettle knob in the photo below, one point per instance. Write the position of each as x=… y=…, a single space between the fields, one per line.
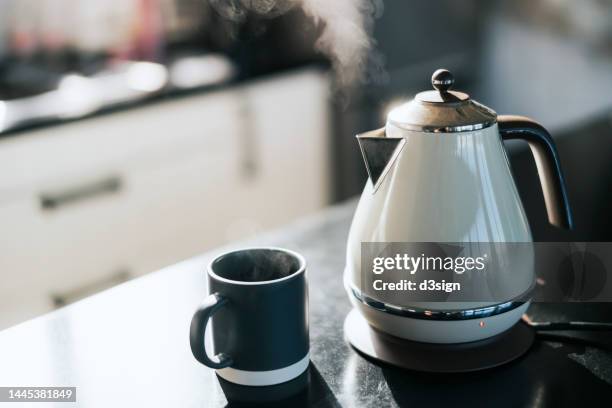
x=442 y=80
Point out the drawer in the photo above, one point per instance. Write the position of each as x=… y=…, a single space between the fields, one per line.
x=59 y=240
x=157 y=218
x=137 y=137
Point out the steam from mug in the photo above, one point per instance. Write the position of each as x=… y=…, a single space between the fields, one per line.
x=257 y=265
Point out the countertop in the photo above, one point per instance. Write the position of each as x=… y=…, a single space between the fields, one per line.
x=128 y=346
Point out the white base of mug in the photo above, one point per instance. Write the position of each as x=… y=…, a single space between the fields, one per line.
x=263 y=378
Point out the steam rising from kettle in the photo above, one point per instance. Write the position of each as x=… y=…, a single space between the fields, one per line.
x=345 y=28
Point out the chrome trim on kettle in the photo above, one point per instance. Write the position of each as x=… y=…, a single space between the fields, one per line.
x=444 y=129
x=425 y=314
x=442 y=110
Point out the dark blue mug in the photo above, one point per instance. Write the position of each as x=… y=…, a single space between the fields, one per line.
x=258 y=311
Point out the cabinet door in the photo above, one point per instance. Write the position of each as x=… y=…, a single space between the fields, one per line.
x=78 y=224
x=146 y=136
x=286 y=125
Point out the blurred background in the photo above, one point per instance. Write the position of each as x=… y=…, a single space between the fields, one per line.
x=137 y=133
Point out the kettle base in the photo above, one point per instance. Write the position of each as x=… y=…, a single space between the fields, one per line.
x=438 y=358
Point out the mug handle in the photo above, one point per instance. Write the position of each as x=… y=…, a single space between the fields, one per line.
x=198 y=327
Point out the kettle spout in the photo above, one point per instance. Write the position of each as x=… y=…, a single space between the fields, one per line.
x=379 y=152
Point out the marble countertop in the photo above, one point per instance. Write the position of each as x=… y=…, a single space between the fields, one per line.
x=128 y=346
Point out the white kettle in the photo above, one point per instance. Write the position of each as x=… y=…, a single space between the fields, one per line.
x=438 y=172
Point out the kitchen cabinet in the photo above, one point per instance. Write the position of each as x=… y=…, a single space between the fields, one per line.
x=87 y=204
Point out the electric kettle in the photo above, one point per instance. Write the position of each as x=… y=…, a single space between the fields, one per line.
x=438 y=172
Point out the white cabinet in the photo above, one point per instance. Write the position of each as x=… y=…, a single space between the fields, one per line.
x=86 y=204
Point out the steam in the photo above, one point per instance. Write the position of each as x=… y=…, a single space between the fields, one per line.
x=264 y=265
x=345 y=39
x=346 y=27
x=256 y=265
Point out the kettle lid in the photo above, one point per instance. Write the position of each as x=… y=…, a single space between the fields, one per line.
x=442 y=110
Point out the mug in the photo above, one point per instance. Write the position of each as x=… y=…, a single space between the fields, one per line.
x=258 y=313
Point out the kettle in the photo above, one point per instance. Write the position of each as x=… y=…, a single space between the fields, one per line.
x=438 y=172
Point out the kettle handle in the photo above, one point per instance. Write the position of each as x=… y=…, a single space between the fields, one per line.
x=547 y=162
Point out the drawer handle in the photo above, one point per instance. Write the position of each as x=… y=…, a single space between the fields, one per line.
x=74 y=294
x=53 y=200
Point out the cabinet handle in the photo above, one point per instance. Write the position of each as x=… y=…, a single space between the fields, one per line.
x=74 y=294
x=54 y=200
x=249 y=149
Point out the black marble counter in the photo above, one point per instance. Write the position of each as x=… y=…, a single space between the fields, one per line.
x=129 y=346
